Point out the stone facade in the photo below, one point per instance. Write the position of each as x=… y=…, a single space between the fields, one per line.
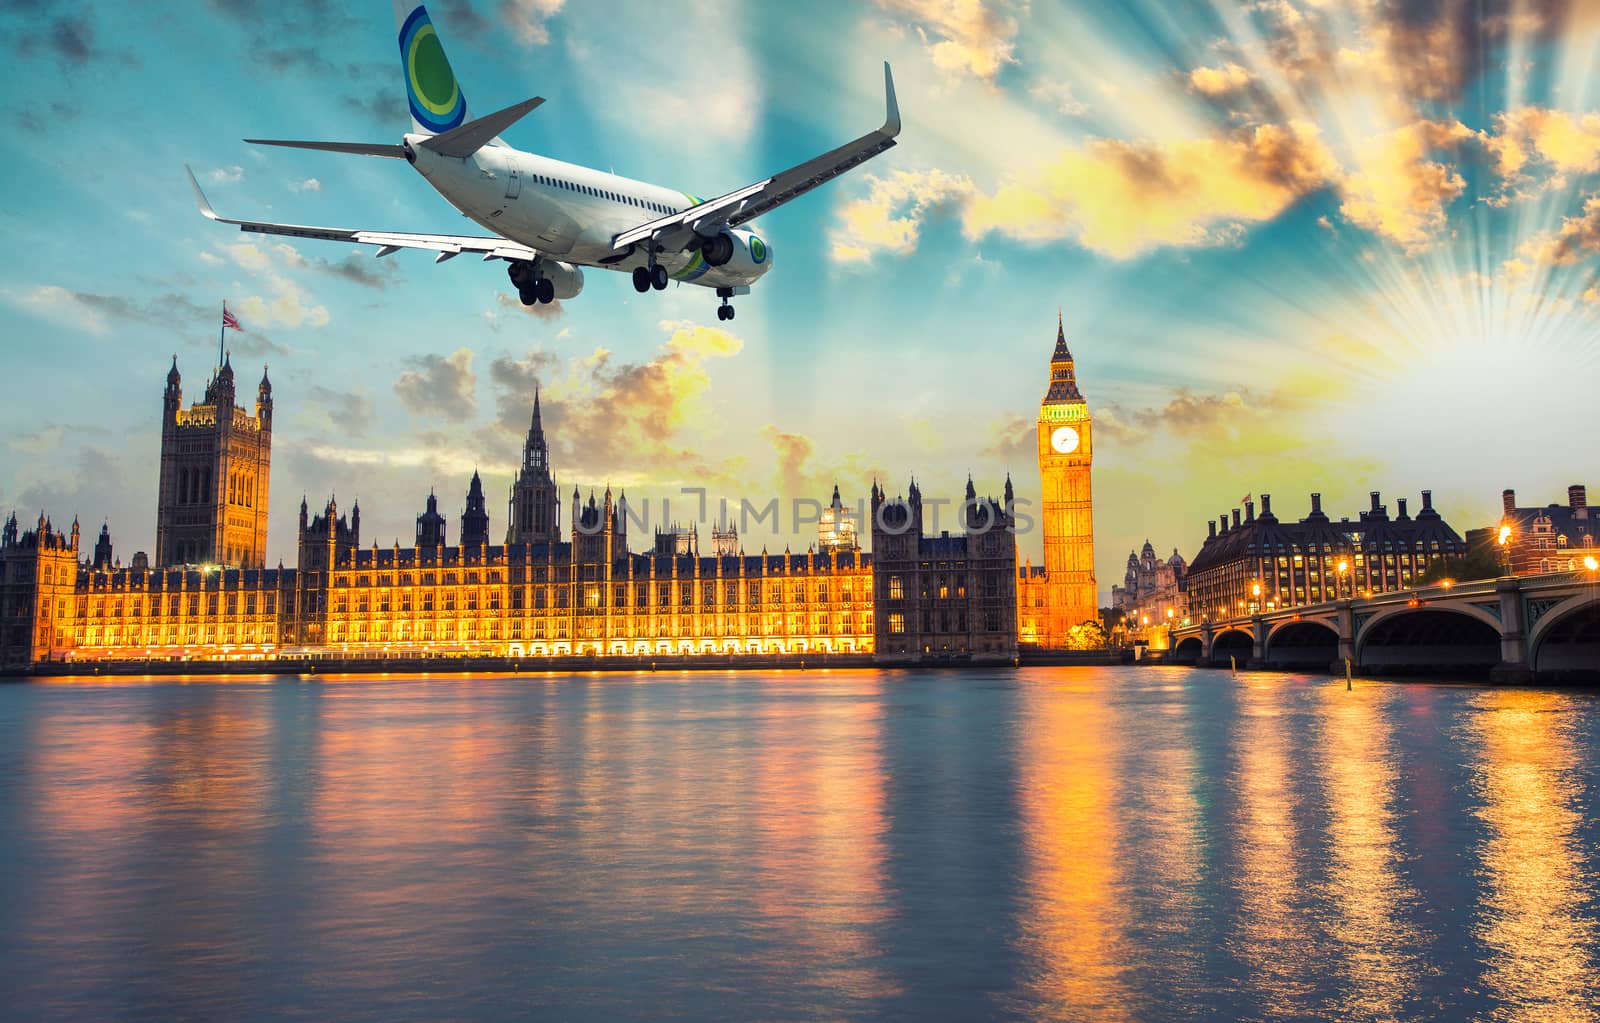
x=216 y=468
x=1261 y=564
x=943 y=597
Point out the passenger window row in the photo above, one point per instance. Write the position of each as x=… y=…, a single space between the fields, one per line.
x=600 y=193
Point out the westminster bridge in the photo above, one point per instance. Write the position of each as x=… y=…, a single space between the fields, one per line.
x=1515 y=629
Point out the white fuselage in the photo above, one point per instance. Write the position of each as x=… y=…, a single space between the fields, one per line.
x=572 y=213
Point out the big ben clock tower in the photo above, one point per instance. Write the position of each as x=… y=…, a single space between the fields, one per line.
x=1066 y=452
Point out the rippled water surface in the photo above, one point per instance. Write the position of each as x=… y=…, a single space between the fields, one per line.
x=1074 y=844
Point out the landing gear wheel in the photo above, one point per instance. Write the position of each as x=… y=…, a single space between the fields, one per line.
x=529 y=296
x=658 y=277
x=724 y=312
x=545 y=290
x=641 y=279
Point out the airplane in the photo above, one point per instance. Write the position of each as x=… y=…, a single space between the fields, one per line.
x=551 y=219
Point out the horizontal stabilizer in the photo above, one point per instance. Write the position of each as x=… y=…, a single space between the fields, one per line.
x=355 y=148
x=474 y=135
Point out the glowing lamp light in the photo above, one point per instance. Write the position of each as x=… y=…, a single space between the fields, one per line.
x=1590 y=564
x=1505 y=536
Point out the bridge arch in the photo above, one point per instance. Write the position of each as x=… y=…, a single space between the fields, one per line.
x=1189 y=650
x=1565 y=641
x=1453 y=637
x=1307 y=643
x=1236 y=642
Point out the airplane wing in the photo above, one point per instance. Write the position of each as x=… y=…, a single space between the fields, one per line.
x=448 y=246
x=745 y=204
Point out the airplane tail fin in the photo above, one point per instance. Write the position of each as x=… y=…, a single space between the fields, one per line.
x=435 y=97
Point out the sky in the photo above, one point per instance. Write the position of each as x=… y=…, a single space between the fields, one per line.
x=1297 y=245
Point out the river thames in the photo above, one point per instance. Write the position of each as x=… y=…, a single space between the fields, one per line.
x=1072 y=844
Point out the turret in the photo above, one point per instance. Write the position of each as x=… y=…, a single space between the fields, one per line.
x=264 y=400
x=173 y=397
x=102 y=549
x=222 y=388
x=1010 y=494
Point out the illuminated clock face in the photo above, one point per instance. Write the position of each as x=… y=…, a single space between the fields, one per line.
x=1064 y=440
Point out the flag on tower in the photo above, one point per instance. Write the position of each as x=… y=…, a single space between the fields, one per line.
x=230 y=320
x=1245 y=499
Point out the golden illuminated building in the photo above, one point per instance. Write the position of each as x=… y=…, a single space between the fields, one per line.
x=1062 y=594
x=546 y=592
x=216 y=463
x=1259 y=564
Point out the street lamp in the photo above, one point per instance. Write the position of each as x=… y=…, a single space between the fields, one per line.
x=1255 y=596
x=1344 y=566
x=1504 y=540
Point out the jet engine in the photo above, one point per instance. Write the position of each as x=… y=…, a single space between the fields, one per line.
x=567 y=279
x=742 y=252
x=545 y=280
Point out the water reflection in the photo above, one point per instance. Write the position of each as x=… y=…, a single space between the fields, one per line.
x=1273 y=929
x=820 y=842
x=1075 y=914
x=1369 y=898
x=1076 y=844
x=1536 y=917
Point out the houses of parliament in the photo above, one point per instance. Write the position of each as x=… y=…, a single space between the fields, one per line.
x=546 y=589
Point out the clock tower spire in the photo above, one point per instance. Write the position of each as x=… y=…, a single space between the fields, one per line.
x=1066 y=454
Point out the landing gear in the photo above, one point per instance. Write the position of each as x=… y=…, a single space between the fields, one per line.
x=651 y=275
x=724 y=311
x=532 y=287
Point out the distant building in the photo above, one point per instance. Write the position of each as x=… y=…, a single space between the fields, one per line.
x=943 y=597
x=1554 y=538
x=216 y=465
x=534 y=515
x=1055 y=598
x=836 y=528
x=475 y=520
x=431 y=525
x=1151 y=587
x=1260 y=563
x=38 y=591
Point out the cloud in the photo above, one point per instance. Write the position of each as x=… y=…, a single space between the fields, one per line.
x=1059 y=96
x=1434 y=48
x=1229 y=413
x=601 y=413
x=1397 y=191
x=1577 y=238
x=793 y=451
x=352 y=413
x=1011 y=440
x=289 y=304
x=890 y=217
x=526 y=19
x=442 y=384
x=1533 y=148
x=308 y=185
x=539 y=311
x=96 y=314
x=1123 y=198
x=382 y=106
x=970 y=36
x=37 y=442
x=68 y=38
x=226 y=175
x=1217 y=82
